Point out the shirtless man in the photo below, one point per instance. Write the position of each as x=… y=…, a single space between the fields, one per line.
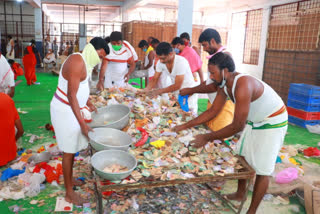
x=67 y=106
x=259 y=112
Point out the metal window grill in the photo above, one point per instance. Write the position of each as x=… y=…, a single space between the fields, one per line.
x=252 y=37
x=292 y=53
x=295 y=26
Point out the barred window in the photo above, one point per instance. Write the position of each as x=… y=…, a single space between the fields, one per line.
x=252 y=37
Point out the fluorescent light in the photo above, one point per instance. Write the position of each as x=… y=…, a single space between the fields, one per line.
x=19 y=0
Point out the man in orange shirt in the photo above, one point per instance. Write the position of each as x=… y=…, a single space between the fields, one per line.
x=9 y=121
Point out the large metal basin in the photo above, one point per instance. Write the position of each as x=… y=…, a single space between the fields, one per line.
x=108 y=138
x=102 y=159
x=113 y=116
x=40 y=157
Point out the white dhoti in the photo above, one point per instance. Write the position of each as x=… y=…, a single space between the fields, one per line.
x=67 y=129
x=260 y=143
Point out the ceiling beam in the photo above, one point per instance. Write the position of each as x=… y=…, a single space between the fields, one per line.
x=130 y=4
x=127 y=5
x=34 y=3
x=85 y=2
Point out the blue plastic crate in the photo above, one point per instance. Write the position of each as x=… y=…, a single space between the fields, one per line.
x=309 y=107
x=304 y=98
x=302 y=123
x=308 y=90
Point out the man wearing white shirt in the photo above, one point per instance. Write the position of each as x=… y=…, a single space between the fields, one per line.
x=114 y=69
x=178 y=70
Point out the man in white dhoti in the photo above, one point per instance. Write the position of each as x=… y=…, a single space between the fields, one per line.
x=114 y=69
x=178 y=70
x=259 y=112
x=67 y=107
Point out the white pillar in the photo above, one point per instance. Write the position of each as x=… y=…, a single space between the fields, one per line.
x=185 y=12
x=82 y=36
x=38 y=24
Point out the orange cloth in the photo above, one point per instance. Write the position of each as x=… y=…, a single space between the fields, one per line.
x=17 y=70
x=8 y=116
x=29 y=63
x=224 y=118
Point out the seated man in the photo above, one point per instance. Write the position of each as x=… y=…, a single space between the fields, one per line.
x=259 y=112
x=7 y=84
x=114 y=69
x=178 y=70
x=9 y=122
x=16 y=68
x=190 y=55
x=50 y=57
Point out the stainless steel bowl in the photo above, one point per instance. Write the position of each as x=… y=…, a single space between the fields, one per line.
x=108 y=138
x=40 y=157
x=102 y=159
x=112 y=116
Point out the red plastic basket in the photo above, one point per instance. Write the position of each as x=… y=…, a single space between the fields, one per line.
x=303 y=114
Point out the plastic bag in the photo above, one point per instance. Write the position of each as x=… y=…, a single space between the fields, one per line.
x=183 y=101
x=287 y=175
x=9 y=173
x=314 y=129
x=32 y=183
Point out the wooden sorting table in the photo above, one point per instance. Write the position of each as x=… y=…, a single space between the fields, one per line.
x=247 y=173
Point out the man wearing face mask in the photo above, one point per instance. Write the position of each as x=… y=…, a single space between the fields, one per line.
x=186 y=39
x=114 y=70
x=177 y=69
x=211 y=43
x=259 y=112
x=68 y=108
x=149 y=58
x=191 y=56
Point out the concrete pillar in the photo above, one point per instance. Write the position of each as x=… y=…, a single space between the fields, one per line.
x=185 y=12
x=38 y=32
x=38 y=24
x=82 y=36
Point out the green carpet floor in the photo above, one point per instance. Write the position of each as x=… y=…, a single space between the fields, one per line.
x=35 y=100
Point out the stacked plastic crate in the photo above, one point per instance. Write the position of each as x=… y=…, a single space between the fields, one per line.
x=304 y=104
